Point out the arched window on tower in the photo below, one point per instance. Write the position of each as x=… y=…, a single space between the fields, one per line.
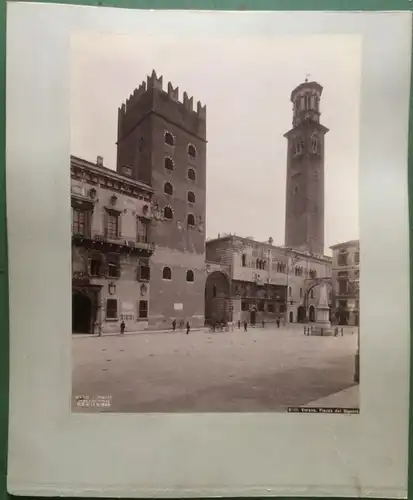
x=191 y=174
x=169 y=139
x=191 y=197
x=192 y=151
x=167 y=213
x=167 y=273
x=190 y=220
x=190 y=276
x=168 y=189
x=313 y=102
x=169 y=163
x=314 y=144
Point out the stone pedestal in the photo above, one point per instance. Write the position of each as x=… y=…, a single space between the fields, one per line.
x=322 y=325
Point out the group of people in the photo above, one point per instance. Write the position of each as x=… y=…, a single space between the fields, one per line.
x=220 y=325
x=181 y=326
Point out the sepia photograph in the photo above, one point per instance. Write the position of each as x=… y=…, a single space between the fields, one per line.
x=215 y=224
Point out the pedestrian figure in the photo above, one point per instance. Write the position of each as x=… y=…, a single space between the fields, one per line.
x=263 y=323
x=342 y=332
x=278 y=322
x=245 y=325
x=122 y=328
x=239 y=324
x=305 y=331
x=188 y=327
x=336 y=331
x=174 y=325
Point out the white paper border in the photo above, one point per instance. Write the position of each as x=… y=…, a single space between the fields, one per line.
x=52 y=452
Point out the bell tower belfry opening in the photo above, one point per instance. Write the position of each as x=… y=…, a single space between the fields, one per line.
x=304 y=215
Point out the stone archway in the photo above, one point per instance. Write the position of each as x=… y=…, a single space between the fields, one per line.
x=217 y=295
x=311 y=314
x=291 y=317
x=301 y=314
x=310 y=287
x=81 y=312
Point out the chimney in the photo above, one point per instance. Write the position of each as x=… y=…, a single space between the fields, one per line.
x=99 y=161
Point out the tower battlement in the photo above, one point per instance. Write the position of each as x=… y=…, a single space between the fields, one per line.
x=155 y=83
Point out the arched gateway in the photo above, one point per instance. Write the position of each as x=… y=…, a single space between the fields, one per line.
x=310 y=310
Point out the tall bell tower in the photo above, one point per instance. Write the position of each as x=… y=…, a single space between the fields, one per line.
x=304 y=215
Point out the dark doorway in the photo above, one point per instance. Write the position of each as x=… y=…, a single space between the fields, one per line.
x=253 y=317
x=81 y=313
x=291 y=317
x=311 y=314
x=301 y=315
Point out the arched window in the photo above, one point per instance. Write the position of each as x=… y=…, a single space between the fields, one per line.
x=289 y=291
x=190 y=220
x=191 y=197
x=191 y=174
x=168 y=189
x=169 y=139
x=167 y=273
x=192 y=151
x=190 y=276
x=167 y=213
x=244 y=260
x=169 y=163
x=312 y=294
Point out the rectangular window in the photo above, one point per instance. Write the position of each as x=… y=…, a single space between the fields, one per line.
x=80 y=222
x=95 y=264
x=357 y=274
x=342 y=304
x=111 y=308
x=342 y=259
x=282 y=308
x=144 y=273
x=270 y=307
x=244 y=306
x=143 y=309
x=342 y=274
x=261 y=306
x=357 y=258
x=342 y=287
x=141 y=231
x=113 y=265
x=112 y=226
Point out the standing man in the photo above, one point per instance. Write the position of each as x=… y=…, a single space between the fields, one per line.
x=188 y=327
x=245 y=325
x=174 y=325
x=122 y=328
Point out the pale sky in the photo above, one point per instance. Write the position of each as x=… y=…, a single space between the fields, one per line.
x=246 y=85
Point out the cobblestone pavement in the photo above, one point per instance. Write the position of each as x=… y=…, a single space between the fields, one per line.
x=259 y=370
